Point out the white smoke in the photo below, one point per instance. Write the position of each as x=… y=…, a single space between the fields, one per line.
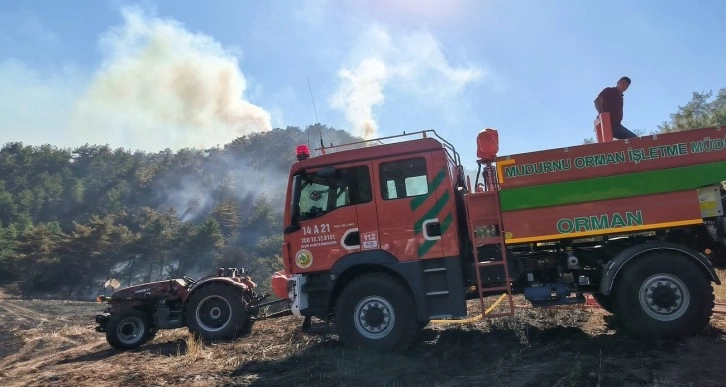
x=162 y=86
x=412 y=62
x=359 y=91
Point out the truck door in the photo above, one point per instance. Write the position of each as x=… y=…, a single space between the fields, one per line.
x=408 y=207
x=336 y=204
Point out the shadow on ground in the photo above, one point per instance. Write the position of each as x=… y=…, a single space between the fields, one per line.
x=528 y=356
x=169 y=348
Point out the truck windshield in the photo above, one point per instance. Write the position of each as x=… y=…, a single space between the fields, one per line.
x=319 y=195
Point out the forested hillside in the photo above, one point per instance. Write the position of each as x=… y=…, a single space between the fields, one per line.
x=72 y=218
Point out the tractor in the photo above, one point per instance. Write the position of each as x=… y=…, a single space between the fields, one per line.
x=219 y=307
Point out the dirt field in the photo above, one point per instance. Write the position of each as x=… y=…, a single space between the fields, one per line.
x=50 y=342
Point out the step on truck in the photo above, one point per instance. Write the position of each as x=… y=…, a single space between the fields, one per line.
x=383 y=236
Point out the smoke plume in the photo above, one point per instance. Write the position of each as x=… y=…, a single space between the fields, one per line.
x=359 y=91
x=413 y=63
x=162 y=86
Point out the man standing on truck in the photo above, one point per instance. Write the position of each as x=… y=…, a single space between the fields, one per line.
x=610 y=100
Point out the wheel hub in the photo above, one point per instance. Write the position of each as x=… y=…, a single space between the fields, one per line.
x=213 y=313
x=664 y=297
x=130 y=330
x=374 y=317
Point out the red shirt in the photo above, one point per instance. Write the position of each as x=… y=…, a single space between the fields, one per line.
x=610 y=100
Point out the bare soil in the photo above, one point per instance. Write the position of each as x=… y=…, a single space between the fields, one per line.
x=52 y=342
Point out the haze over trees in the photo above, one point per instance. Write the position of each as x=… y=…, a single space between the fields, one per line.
x=70 y=219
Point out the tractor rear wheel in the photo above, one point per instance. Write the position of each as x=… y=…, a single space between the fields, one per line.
x=129 y=329
x=376 y=311
x=664 y=295
x=217 y=312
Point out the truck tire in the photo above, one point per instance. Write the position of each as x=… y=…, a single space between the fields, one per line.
x=217 y=312
x=129 y=329
x=664 y=295
x=376 y=311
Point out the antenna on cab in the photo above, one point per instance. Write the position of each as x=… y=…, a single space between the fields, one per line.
x=317 y=122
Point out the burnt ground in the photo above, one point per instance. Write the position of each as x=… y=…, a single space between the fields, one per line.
x=52 y=342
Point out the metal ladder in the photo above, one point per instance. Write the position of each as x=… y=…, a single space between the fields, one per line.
x=485 y=228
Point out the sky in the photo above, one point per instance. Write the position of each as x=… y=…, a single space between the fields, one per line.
x=152 y=75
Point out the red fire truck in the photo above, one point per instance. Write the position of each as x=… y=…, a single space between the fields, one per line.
x=383 y=236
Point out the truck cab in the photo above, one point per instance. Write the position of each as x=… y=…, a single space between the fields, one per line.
x=389 y=209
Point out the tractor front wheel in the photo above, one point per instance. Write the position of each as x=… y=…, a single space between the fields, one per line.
x=129 y=329
x=217 y=312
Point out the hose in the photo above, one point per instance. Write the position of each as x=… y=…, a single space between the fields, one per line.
x=477 y=317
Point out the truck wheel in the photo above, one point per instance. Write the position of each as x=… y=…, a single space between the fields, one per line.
x=664 y=295
x=216 y=312
x=128 y=330
x=376 y=311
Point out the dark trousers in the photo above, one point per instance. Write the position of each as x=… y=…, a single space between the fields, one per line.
x=620 y=132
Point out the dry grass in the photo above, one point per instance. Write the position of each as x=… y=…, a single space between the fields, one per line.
x=53 y=343
x=720 y=290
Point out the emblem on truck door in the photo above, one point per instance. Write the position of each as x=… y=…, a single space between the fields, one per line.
x=304 y=258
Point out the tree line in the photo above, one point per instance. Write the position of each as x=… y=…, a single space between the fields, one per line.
x=71 y=219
